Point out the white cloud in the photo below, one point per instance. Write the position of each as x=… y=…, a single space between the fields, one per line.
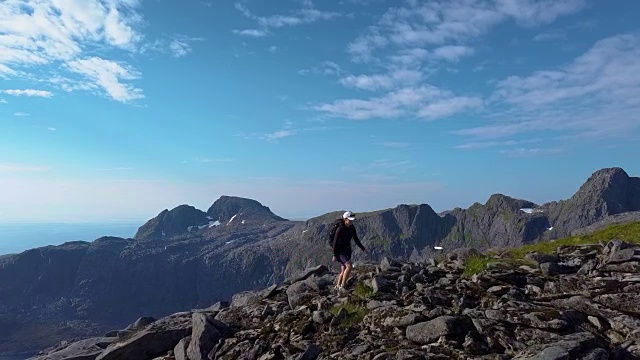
x=488 y=144
x=306 y=15
x=448 y=24
x=280 y=134
x=3 y=101
x=19 y=113
x=251 y=32
x=108 y=74
x=530 y=152
x=534 y=12
x=425 y=101
x=595 y=96
x=452 y=53
x=385 y=82
x=28 y=92
x=449 y=106
x=60 y=33
x=51 y=129
x=273 y=48
x=609 y=70
x=50 y=30
x=325 y=68
x=180 y=45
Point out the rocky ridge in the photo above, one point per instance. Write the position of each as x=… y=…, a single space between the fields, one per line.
x=238 y=244
x=579 y=302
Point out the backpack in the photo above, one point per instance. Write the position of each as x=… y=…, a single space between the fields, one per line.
x=332 y=230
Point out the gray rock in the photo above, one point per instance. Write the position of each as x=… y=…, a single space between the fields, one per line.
x=539 y=258
x=321 y=317
x=430 y=331
x=318 y=271
x=620 y=256
x=551 y=269
x=206 y=332
x=156 y=339
x=403 y=321
x=311 y=353
x=298 y=293
x=87 y=349
x=380 y=284
x=180 y=350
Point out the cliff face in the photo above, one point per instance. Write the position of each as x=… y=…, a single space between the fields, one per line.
x=607 y=192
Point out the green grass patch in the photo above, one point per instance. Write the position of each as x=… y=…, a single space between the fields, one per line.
x=629 y=232
x=476 y=264
x=363 y=291
x=355 y=313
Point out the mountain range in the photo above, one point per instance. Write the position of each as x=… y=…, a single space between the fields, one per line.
x=188 y=258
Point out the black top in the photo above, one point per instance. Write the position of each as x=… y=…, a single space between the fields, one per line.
x=342 y=240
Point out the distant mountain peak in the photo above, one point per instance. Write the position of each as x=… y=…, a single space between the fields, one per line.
x=229 y=207
x=172 y=222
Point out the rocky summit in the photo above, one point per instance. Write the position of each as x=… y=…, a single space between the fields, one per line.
x=188 y=258
x=577 y=302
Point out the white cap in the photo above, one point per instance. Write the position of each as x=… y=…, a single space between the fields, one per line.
x=348 y=215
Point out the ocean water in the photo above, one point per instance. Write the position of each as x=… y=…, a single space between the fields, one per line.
x=15 y=238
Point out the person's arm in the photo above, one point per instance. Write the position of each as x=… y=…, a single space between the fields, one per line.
x=355 y=238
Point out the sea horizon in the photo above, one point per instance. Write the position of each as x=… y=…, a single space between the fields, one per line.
x=16 y=237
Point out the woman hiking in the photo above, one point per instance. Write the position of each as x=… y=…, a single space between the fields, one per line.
x=341 y=246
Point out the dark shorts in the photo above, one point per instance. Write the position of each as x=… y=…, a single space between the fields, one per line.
x=343 y=258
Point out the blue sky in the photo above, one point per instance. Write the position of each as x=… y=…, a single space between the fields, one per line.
x=117 y=109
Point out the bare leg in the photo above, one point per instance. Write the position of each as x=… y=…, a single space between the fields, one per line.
x=345 y=273
x=339 y=277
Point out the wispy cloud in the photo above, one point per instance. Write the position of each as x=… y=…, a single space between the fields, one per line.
x=28 y=92
x=3 y=101
x=306 y=15
x=52 y=32
x=426 y=102
x=417 y=39
x=595 y=96
x=411 y=29
x=324 y=68
x=251 y=32
x=280 y=134
x=288 y=129
x=273 y=48
x=489 y=144
x=181 y=45
x=531 y=152
x=108 y=75
x=51 y=128
x=382 y=81
x=61 y=34
x=20 y=114
x=19 y=168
